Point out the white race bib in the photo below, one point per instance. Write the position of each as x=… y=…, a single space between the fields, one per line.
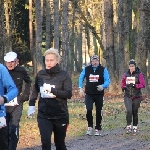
x=130 y=80
x=45 y=93
x=93 y=78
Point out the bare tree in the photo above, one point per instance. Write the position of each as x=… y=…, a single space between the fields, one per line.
x=48 y=24
x=39 y=19
x=143 y=38
x=56 y=24
x=65 y=35
x=1 y=31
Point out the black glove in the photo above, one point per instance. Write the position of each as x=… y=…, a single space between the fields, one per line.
x=131 y=85
x=123 y=89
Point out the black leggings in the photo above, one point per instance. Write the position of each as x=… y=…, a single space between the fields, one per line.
x=58 y=126
x=89 y=100
x=132 y=106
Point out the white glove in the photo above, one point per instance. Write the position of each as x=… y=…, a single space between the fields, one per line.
x=47 y=87
x=81 y=92
x=2 y=122
x=31 y=111
x=100 y=88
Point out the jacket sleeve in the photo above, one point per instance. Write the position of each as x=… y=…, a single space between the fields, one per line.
x=34 y=92
x=28 y=82
x=8 y=83
x=106 y=79
x=66 y=92
x=81 y=78
x=141 y=82
x=123 y=81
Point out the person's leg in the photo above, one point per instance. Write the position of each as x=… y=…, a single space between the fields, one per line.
x=45 y=128
x=60 y=128
x=89 y=108
x=99 y=106
x=136 y=105
x=128 y=105
x=4 y=138
x=15 y=116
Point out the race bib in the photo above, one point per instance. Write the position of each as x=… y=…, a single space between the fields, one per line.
x=130 y=80
x=13 y=102
x=93 y=78
x=46 y=93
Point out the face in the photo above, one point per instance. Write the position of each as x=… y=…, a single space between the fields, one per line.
x=12 y=64
x=95 y=62
x=132 y=67
x=50 y=61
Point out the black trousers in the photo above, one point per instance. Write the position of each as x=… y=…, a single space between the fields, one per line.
x=58 y=127
x=132 y=106
x=98 y=100
x=13 y=116
x=4 y=138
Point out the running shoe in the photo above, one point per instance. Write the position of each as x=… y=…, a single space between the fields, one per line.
x=97 y=132
x=128 y=129
x=89 y=131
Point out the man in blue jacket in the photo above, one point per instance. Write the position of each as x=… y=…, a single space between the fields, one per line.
x=7 y=83
x=97 y=79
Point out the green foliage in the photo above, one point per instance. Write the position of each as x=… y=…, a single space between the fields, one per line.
x=20 y=32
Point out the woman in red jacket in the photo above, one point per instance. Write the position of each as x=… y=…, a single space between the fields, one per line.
x=132 y=82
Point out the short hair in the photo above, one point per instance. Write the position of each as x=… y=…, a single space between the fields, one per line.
x=53 y=51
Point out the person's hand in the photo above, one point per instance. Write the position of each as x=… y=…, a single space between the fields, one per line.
x=81 y=92
x=2 y=122
x=100 y=88
x=31 y=111
x=47 y=87
x=1 y=100
x=123 y=89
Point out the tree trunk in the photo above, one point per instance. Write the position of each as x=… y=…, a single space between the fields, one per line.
x=48 y=24
x=65 y=49
x=56 y=24
x=39 y=19
x=143 y=40
x=2 y=31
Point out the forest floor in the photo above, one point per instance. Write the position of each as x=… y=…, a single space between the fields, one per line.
x=115 y=139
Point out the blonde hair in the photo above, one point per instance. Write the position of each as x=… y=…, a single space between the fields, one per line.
x=53 y=51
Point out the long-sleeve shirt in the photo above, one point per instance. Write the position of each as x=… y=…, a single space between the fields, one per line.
x=105 y=75
x=6 y=82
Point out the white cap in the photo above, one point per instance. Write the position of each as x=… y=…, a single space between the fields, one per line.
x=10 y=56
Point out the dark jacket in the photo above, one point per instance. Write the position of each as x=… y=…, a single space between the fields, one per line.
x=52 y=108
x=91 y=75
x=135 y=91
x=23 y=84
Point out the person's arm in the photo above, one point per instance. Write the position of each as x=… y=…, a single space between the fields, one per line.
x=141 y=82
x=66 y=92
x=106 y=79
x=81 y=78
x=27 y=87
x=34 y=93
x=8 y=83
x=123 y=81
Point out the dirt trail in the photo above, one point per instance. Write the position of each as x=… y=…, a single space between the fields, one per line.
x=110 y=140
